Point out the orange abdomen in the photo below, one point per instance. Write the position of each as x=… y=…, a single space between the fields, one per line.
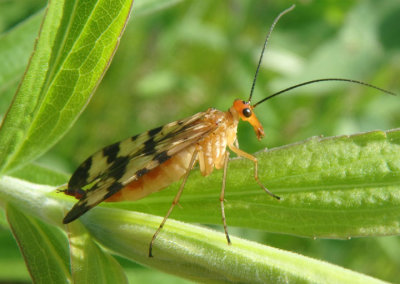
x=157 y=179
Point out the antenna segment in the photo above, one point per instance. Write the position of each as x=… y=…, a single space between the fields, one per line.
x=265 y=45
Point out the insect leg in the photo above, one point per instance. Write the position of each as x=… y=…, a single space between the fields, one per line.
x=222 y=196
x=174 y=202
x=236 y=143
x=255 y=161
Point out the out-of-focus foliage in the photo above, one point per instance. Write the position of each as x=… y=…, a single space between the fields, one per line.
x=182 y=59
x=200 y=54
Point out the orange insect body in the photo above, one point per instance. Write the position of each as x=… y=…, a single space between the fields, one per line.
x=211 y=151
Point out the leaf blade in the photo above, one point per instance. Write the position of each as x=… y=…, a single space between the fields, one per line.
x=336 y=187
x=44 y=247
x=63 y=72
x=90 y=264
x=14 y=57
x=203 y=255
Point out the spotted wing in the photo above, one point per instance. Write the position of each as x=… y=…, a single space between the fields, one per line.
x=112 y=168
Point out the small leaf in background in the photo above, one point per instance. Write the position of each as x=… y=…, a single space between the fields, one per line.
x=13 y=267
x=3 y=221
x=44 y=247
x=90 y=263
x=14 y=57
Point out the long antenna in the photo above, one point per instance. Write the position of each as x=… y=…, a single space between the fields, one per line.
x=324 y=80
x=265 y=45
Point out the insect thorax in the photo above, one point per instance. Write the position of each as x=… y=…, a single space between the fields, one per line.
x=212 y=148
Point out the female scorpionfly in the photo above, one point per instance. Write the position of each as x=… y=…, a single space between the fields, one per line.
x=148 y=162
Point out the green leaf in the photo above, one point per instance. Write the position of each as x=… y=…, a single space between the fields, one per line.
x=44 y=247
x=335 y=187
x=3 y=222
x=76 y=43
x=33 y=199
x=203 y=255
x=15 y=49
x=13 y=268
x=90 y=264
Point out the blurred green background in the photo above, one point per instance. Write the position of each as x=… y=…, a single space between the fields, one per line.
x=177 y=58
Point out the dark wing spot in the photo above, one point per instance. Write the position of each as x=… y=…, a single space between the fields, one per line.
x=155 y=131
x=114 y=188
x=81 y=175
x=162 y=157
x=78 y=210
x=133 y=138
x=118 y=168
x=149 y=146
x=141 y=172
x=111 y=152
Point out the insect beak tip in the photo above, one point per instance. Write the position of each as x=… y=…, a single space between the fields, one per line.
x=260 y=133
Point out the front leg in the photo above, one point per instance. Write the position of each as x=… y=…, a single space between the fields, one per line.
x=243 y=154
